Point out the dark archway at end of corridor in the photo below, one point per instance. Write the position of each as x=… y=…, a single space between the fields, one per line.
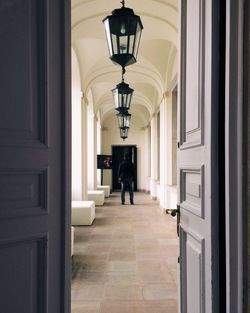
x=118 y=152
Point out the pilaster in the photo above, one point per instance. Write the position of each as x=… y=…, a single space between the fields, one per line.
x=154 y=159
x=84 y=151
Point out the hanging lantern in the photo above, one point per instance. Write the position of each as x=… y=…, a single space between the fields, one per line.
x=122 y=96
x=124 y=133
x=124 y=119
x=123 y=30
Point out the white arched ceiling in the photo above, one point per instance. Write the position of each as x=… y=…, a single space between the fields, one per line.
x=156 y=66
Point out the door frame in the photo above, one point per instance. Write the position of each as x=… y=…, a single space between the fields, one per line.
x=66 y=154
x=246 y=154
x=234 y=156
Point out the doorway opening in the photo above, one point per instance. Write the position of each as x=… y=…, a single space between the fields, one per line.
x=118 y=153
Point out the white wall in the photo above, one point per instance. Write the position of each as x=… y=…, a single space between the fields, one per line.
x=137 y=136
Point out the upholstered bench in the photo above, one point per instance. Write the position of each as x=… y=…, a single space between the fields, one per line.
x=97 y=196
x=105 y=188
x=83 y=212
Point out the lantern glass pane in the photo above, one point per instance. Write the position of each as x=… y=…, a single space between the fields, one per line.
x=131 y=44
x=107 y=29
x=124 y=103
x=137 y=39
x=120 y=100
x=123 y=46
x=115 y=97
x=115 y=44
x=120 y=121
x=126 y=121
x=129 y=99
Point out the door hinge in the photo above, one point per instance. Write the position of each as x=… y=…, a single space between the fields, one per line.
x=178 y=144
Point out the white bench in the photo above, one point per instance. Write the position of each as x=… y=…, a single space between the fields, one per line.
x=97 y=196
x=105 y=188
x=83 y=212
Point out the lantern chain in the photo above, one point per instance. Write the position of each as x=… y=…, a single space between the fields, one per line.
x=123 y=72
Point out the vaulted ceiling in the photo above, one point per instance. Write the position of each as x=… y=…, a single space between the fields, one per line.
x=156 y=69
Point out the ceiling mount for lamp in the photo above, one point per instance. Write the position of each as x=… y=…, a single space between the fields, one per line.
x=122 y=95
x=123 y=30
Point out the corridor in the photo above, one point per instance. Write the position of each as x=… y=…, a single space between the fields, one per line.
x=126 y=262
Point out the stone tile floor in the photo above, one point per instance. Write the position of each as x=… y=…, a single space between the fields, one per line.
x=126 y=262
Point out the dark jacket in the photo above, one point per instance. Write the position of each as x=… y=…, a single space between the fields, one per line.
x=126 y=171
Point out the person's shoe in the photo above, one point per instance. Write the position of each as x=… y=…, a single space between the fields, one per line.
x=132 y=203
x=123 y=203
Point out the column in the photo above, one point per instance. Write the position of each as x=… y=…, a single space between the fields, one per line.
x=147 y=158
x=168 y=146
x=84 y=150
x=154 y=161
x=164 y=151
x=95 y=152
x=76 y=148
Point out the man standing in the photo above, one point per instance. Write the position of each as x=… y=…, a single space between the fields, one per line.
x=126 y=174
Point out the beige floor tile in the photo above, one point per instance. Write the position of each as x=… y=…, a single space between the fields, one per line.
x=141 y=238
x=121 y=277
x=122 y=256
x=98 y=248
x=85 y=307
x=107 y=238
x=118 y=307
x=169 y=306
x=159 y=292
x=95 y=266
x=122 y=266
x=92 y=277
x=89 y=292
x=123 y=292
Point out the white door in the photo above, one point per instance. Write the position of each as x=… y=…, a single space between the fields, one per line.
x=198 y=156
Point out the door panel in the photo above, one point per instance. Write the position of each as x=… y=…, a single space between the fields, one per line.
x=198 y=156
x=29 y=268
x=22 y=59
x=34 y=190
x=191 y=268
x=192 y=67
x=192 y=190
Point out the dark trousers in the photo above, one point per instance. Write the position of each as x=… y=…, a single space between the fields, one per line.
x=130 y=186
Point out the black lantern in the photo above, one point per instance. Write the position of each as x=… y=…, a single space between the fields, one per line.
x=122 y=96
x=124 y=119
x=123 y=30
x=124 y=133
